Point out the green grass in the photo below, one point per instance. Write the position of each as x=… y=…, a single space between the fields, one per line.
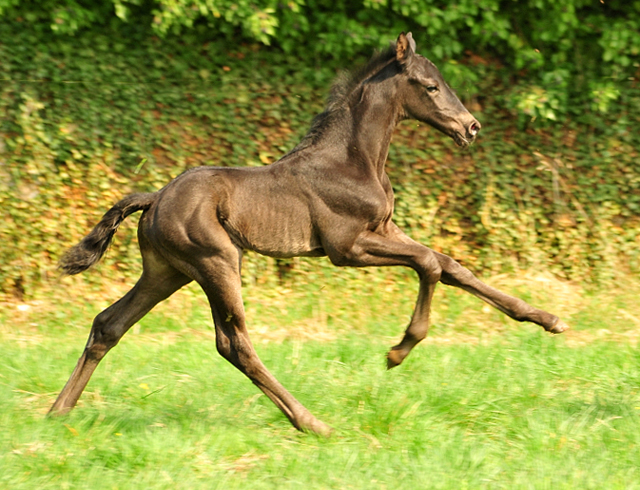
x=483 y=403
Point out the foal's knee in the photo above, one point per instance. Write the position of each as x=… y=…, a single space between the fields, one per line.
x=429 y=268
x=453 y=273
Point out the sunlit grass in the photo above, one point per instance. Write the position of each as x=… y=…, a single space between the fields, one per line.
x=483 y=403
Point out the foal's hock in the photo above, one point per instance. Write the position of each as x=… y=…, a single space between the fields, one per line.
x=329 y=196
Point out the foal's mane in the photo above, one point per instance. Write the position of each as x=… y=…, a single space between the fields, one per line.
x=342 y=87
x=346 y=82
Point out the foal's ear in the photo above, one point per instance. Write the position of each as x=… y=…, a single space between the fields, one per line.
x=405 y=47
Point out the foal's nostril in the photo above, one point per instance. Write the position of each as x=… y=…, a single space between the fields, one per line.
x=474 y=128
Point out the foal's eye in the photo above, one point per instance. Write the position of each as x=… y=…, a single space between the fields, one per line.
x=432 y=89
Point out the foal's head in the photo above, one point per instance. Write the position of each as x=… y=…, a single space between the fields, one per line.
x=427 y=97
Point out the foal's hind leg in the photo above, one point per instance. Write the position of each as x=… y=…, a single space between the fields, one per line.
x=219 y=277
x=158 y=281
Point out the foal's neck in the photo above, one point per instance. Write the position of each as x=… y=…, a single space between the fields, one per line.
x=375 y=115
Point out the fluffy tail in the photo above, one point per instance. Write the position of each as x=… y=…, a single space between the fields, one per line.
x=92 y=247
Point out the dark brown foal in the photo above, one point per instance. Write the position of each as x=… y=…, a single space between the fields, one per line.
x=330 y=196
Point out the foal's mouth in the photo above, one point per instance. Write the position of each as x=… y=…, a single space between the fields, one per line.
x=462 y=141
x=465 y=138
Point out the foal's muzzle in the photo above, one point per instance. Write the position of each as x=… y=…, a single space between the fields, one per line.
x=471 y=130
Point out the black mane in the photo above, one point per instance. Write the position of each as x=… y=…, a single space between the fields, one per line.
x=346 y=82
x=342 y=87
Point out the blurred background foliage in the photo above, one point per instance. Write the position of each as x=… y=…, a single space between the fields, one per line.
x=565 y=57
x=100 y=99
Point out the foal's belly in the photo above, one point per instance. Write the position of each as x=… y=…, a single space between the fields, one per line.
x=276 y=230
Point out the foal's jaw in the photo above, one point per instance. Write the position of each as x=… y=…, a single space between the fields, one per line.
x=461 y=141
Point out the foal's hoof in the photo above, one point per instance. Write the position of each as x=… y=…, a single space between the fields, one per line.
x=58 y=410
x=558 y=327
x=318 y=428
x=394 y=358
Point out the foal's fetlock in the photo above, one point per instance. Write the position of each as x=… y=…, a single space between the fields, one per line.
x=558 y=327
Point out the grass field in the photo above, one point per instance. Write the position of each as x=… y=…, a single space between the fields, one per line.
x=484 y=402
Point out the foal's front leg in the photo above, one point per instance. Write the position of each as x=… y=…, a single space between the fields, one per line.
x=454 y=274
x=395 y=248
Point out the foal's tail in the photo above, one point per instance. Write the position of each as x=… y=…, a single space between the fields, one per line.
x=92 y=247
